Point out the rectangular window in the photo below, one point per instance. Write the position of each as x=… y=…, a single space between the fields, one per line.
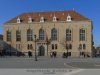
x=81 y=53
x=8 y=36
x=82 y=35
x=52 y=46
x=29 y=35
x=29 y=47
x=18 y=36
x=54 y=34
x=55 y=46
x=69 y=53
x=68 y=35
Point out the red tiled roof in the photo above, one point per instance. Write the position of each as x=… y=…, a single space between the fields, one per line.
x=48 y=16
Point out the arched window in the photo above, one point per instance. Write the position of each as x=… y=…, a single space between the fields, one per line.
x=84 y=46
x=68 y=35
x=41 y=34
x=82 y=34
x=8 y=35
x=29 y=35
x=54 y=34
x=18 y=35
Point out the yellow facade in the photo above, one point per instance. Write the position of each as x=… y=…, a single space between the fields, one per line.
x=61 y=27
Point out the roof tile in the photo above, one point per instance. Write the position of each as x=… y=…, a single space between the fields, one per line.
x=48 y=16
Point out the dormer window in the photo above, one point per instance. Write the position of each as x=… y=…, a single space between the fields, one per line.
x=18 y=20
x=29 y=20
x=54 y=19
x=42 y=19
x=69 y=18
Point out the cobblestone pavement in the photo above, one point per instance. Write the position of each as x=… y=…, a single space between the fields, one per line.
x=47 y=62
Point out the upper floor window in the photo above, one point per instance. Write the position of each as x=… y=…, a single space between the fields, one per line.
x=18 y=35
x=42 y=19
x=69 y=18
x=29 y=35
x=82 y=34
x=8 y=35
x=68 y=35
x=18 y=20
x=41 y=34
x=54 y=34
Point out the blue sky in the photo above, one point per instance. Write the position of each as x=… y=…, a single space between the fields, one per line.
x=88 y=8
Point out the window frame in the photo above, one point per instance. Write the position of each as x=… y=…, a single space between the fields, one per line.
x=54 y=34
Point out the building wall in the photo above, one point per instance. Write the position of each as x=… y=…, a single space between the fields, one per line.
x=47 y=26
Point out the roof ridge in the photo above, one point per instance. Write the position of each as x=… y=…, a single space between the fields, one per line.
x=49 y=11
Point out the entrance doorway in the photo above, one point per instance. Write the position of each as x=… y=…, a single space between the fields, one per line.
x=41 y=51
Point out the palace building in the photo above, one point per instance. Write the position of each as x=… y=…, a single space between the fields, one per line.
x=47 y=32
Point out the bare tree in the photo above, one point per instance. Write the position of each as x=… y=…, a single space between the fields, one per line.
x=64 y=43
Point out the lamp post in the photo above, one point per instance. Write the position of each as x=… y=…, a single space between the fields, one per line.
x=35 y=48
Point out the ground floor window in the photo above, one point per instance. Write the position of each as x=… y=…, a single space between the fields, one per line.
x=54 y=46
x=69 y=53
x=29 y=47
x=81 y=53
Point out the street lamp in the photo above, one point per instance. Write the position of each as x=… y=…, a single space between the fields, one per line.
x=35 y=48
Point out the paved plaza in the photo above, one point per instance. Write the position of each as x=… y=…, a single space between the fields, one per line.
x=47 y=62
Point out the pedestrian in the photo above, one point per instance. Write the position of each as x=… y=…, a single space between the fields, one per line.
x=51 y=54
x=84 y=55
x=64 y=55
x=29 y=54
x=55 y=54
